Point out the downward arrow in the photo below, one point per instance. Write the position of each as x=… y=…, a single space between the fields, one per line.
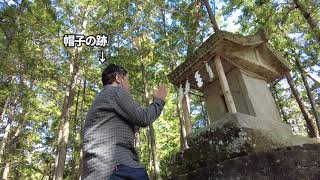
x=102 y=59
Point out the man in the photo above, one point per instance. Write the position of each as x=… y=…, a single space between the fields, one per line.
x=108 y=135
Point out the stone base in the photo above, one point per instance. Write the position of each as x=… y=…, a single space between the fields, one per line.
x=233 y=136
x=295 y=162
x=257 y=132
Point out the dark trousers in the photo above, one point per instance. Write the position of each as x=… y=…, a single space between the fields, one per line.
x=123 y=172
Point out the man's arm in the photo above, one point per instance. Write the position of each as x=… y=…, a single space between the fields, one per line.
x=133 y=112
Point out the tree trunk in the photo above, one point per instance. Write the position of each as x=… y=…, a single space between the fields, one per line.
x=65 y=119
x=5 y=138
x=148 y=139
x=315 y=79
x=81 y=124
x=7 y=130
x=151 y=129
x=211 y=16
x=203 y=110
x=309 y=93
x=12 y=148
x=4 y=109
x=74 y=143
x=67 y=103
x=6 y=171
x=194 y=26
x=278 y=102
x=311 y=127
x=146 y=102
x=310 y=20
x=154 y=154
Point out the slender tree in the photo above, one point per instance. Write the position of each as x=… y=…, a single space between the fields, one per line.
x=309 y=93
x=311 y=127
x=211 y=16
x=310 y=20
x=153 y=145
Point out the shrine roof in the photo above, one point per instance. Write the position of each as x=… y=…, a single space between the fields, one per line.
x=232 y=48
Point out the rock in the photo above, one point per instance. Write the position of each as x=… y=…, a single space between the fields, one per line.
x=234 y=136
x=295 y=162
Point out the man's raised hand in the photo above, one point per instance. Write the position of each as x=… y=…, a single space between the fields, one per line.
x=161 y=92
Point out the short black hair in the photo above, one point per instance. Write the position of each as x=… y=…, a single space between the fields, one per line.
x=110 y=72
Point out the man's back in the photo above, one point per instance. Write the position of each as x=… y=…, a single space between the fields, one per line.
x=108 y=133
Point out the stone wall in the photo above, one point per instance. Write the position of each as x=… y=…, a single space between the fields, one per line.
x=289 y=163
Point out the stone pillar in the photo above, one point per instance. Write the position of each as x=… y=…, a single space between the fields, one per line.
x=224 y=85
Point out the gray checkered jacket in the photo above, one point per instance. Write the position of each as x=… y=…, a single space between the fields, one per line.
x=108 y=134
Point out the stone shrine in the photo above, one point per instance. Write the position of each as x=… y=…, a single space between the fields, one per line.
x=233 y=72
